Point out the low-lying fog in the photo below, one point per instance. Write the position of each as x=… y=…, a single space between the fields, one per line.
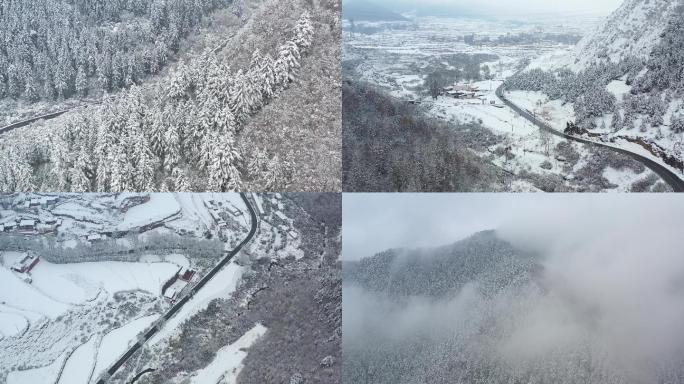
x=607 y=305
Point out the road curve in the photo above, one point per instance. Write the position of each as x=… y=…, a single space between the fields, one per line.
x=668 y=176
x=24 y=123
x=178 y=305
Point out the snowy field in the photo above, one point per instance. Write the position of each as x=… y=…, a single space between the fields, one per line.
x=160 y=207
x=227 y=364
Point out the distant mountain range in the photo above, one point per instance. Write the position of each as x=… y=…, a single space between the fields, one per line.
x=361 y=10
x=440 y=272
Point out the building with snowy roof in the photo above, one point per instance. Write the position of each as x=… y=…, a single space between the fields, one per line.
x=26 y=264
x=27 y=224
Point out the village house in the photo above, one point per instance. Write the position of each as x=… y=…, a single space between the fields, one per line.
x=48 y=201
x=95 y=237
x=45 y=228
x=173 y=288
x=233 y=211
x=186 y=274
x=26 y=264
x=27 y=225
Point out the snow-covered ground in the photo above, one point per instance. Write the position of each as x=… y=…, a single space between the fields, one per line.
x=227 y=364
x=71 y=321
x=116 y=342
x=160 y=207
x=79 y=367
x=57 y=287
x=46 y=374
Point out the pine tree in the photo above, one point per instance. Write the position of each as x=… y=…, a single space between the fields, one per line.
x=81 y=82
x=78 y=173
x=304 y=32
x=30 y=91
x=240 y=97
x=223 y=170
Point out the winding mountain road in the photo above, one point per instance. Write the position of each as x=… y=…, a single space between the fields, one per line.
x=228 y=256
x=24 y=123
x=667 y=175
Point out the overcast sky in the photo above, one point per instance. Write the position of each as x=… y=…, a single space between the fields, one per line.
x=510 y=7
x=376 y=222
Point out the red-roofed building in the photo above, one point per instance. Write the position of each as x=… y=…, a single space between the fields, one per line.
x=187 y=275
x=26 y=264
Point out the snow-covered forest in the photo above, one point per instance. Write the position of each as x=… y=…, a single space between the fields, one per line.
x=184 y=129
x=68 y=48
x=390 y=145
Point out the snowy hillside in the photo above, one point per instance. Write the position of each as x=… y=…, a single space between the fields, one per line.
x=625 y=81
x=631 y=31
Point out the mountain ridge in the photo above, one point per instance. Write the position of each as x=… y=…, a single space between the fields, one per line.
x=439 y=272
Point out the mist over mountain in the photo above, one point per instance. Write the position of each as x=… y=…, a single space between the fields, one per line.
x=527 y=303
x=487 y=8
x=361 y=10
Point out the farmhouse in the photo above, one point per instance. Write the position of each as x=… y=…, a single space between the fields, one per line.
x=27 y=225
x=95 y=237
x=173 y=288
x=233 y=211
x=173 y=292
x=45 y=228
x=214 y=215
x=48 y=201
x=26 y=264
x=186 y=274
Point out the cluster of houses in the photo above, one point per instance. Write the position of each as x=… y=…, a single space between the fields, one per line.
x=30 y=226
x=44 y=202
x=217 y=210
x=468 y=91
x=463 y=91
x=24 y=266
x=23 y=218
x=173 y=288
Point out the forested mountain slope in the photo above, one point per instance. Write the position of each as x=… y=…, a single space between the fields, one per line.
x=187 y=130
x=62 y=48
x=443 y=271
x=626 y=80
x=390 y=145
x=483 y=310
x=631 y=31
